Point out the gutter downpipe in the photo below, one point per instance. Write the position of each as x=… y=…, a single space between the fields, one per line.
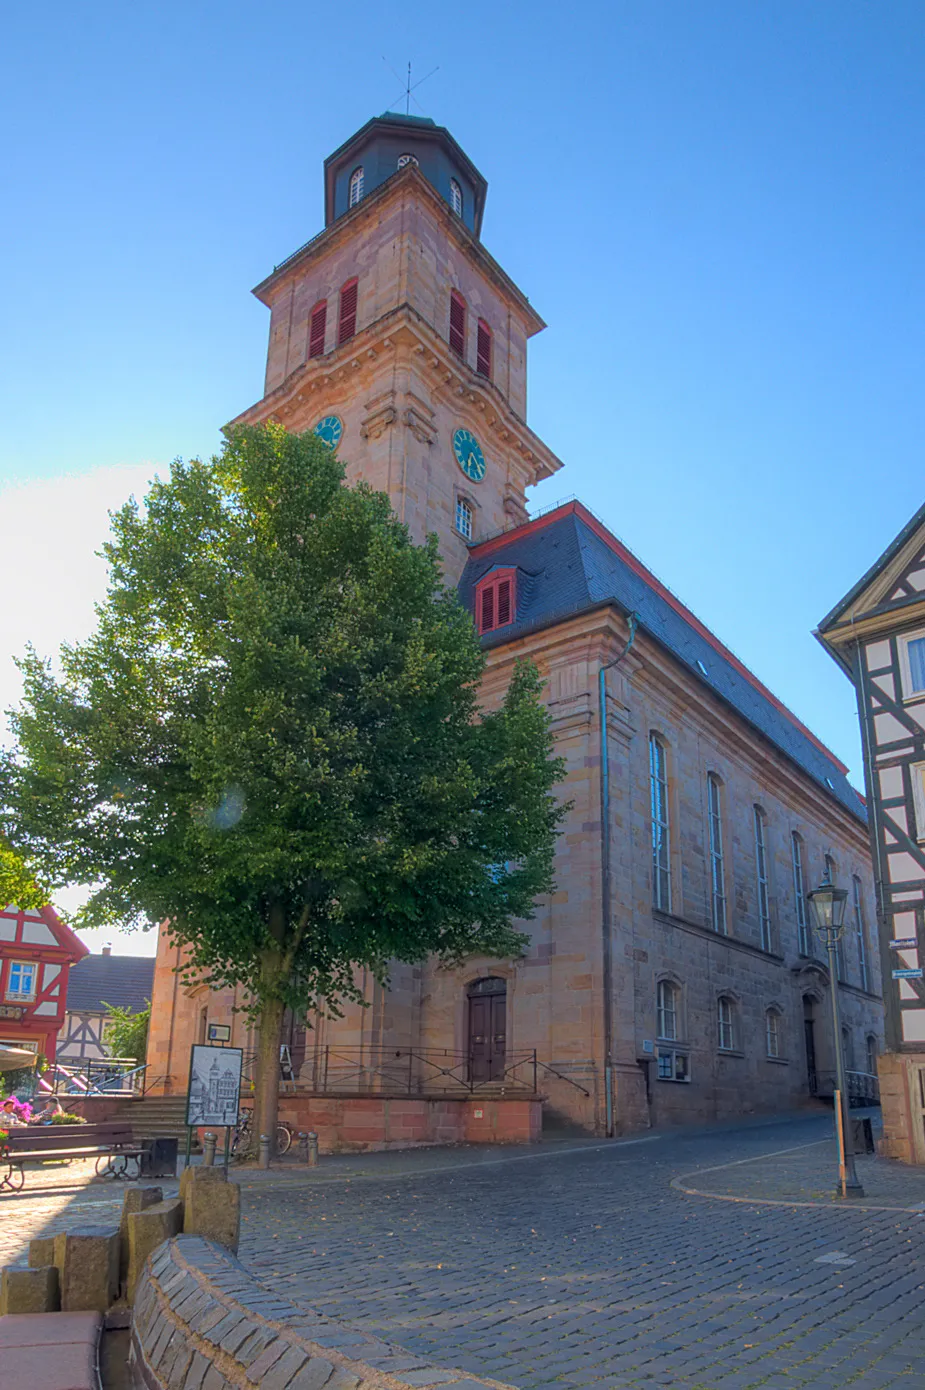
x=606 y=933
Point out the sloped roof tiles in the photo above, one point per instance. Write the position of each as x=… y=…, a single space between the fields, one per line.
x=98 y=981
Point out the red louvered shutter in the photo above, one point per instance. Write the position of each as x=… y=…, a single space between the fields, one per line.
x=488 y=610
x=504 y=602
x=348 y=312
x=316 y=329
x=458 y=324
x=483 y=350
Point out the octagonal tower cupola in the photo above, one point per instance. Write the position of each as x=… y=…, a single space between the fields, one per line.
x=384 y=146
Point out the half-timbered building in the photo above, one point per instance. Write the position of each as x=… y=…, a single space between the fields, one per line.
x=876 y=633
x=99 y=984
x=672 y=975
x=37 y=951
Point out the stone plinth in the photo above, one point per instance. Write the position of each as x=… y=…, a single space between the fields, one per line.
x=211 y=1206
x=87 y=1261
x=146 y=1229
x=29 y=1291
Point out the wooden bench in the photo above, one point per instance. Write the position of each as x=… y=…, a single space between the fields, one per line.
x=111 y=1142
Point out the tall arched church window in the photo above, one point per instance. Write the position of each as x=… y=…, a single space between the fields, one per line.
x=861 y=931
x=772 y=1032
x=761 y=874
x=456 y=198
x=717 y=866
x=458 y=323
x=356 y=186
x=483 y=350
x=316 y=326
x=799 y=894
x=658 y=800
x=347 y=321
x=404 y=159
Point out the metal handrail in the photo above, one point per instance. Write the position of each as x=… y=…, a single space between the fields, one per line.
x=418 y=1071
x=562 y=1077
x=96 y=1076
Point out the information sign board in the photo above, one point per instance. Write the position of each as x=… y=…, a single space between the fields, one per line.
x=214 y=1093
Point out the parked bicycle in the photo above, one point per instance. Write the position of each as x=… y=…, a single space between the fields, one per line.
x=243 y=1137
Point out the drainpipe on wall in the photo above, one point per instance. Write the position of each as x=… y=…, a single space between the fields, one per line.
x=606 y=932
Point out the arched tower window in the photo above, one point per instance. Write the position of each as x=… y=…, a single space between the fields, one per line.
x=456 y=198
x=316 y=326
x=404 y=159
x=347 y=322
x=483 y=350
x=356 y=186
x=458 y=323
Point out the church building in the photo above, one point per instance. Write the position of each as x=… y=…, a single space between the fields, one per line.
x=672 y=976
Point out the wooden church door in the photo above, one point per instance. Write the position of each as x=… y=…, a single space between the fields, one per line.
x=487 y=1029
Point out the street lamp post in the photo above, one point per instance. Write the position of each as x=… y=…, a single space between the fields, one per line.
x=827 y=905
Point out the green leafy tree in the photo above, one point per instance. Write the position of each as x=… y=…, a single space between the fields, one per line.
x=127 y=1033
x=17 y=885
x=273 y=739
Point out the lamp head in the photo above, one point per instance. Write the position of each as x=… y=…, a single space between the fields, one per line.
x=828 y=908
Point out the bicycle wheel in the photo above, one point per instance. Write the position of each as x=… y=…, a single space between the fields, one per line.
x=283 y=1138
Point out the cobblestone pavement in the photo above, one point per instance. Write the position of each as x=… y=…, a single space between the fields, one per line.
x=584 y=1267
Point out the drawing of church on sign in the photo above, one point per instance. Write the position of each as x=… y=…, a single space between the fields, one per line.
x=693 y=988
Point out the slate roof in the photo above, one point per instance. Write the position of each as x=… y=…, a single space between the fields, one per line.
x=568 y=562
x=96 y=981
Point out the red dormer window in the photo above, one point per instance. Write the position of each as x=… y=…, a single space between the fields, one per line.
x=496 y=600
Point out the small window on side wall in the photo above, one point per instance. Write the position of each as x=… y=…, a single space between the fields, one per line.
x=456 y=198
x=772 y=1032
x=725 y=1021
x=458 y=323
x=347 y=321
x=464 y=518
x=356 y=186
x=912 y=664
x=404 y=159
x=316 y=327
x=496 y=601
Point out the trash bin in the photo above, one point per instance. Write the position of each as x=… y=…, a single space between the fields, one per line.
x=862 y=1136
x=159 y=1159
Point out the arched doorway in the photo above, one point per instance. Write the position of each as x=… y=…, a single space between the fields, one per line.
x=809 y=1034
x=487 y=1029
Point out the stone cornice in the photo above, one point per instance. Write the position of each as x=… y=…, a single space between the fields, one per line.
x=370 y=211
x=403 y=329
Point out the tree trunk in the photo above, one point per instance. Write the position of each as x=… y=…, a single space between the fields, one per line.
x=266 y=1081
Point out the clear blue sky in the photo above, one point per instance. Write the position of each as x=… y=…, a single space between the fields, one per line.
x=717 y=207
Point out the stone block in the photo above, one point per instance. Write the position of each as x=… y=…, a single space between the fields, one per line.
x=147 y=1229
x=41 y=1252
x=136 y=1199
x=197 y=1175
x=87 y=1260
x=29 y=1290
x=212 y=1209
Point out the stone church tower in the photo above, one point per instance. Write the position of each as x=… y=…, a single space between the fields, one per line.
x=672 y=975
x=402 y=342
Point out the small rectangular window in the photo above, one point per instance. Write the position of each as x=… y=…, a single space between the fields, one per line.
x=464 y=518
x=916 y=649
x=458 y=324
x=673 y=1065
x=724 y=1018
x=20 y=982
x=317 y=325
x=347 y=324
x=483 y=350
x=496 y=601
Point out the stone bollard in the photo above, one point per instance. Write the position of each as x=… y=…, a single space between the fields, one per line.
x=303 y=1146
x=211 y=1206
x=312 y=1148
x=264 y=1150
x=209 y=1140
x=136 y=1199
x=147 y=1229
x=29 y=1290
x=87 y=1259
x=41 y=1252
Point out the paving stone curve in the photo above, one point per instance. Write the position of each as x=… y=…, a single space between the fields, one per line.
x=249 y=1339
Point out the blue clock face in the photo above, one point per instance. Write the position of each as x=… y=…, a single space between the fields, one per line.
x=329 y=430
x=469 y=455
